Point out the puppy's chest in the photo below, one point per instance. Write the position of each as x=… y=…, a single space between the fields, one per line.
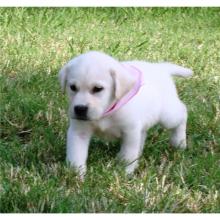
x=107 y=129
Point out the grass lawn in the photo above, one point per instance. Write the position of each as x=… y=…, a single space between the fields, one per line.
x=35 y=43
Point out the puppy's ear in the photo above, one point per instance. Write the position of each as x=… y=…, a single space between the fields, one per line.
x=63 y=77
x=66 y=69
x=123 y=82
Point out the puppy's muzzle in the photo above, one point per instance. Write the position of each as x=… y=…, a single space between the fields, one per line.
x=81 y=112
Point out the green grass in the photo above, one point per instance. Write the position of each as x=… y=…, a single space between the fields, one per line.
x=35 y=43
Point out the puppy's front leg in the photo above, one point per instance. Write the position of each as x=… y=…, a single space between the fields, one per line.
x=131 y=149
x=78 y=137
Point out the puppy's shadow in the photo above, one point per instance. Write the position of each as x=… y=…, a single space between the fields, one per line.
x=103 y=150
x=156 y=145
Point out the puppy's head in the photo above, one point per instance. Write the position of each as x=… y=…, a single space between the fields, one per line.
x=93 y=82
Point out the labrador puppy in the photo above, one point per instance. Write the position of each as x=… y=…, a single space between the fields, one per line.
x=120 y=100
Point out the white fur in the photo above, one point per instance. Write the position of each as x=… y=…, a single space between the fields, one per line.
x=156 y=102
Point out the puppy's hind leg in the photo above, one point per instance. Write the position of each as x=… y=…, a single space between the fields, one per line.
x=178 y=136
x=143 y=138
x=178 y=133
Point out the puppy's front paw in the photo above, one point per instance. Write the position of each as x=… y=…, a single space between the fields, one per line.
x=80 y=170
x=130 y=168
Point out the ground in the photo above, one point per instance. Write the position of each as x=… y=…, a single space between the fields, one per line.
x=36 y=42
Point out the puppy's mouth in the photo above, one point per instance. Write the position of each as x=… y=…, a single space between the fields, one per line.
x=81 y=118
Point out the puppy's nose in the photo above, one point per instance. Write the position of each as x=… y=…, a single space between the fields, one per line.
x=81 y=111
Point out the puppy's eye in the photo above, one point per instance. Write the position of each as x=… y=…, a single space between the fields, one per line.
x=97 y=89
x=73 y=88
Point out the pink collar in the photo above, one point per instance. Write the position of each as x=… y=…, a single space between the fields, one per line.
x=118 y=104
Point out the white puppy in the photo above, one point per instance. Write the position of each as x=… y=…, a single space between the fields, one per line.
x=121 y=100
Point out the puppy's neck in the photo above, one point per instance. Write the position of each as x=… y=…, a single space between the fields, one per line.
x=128 y=96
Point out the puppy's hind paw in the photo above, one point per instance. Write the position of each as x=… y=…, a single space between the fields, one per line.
x=180 y=144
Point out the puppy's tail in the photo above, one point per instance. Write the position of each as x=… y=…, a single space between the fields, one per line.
x=175 y=70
